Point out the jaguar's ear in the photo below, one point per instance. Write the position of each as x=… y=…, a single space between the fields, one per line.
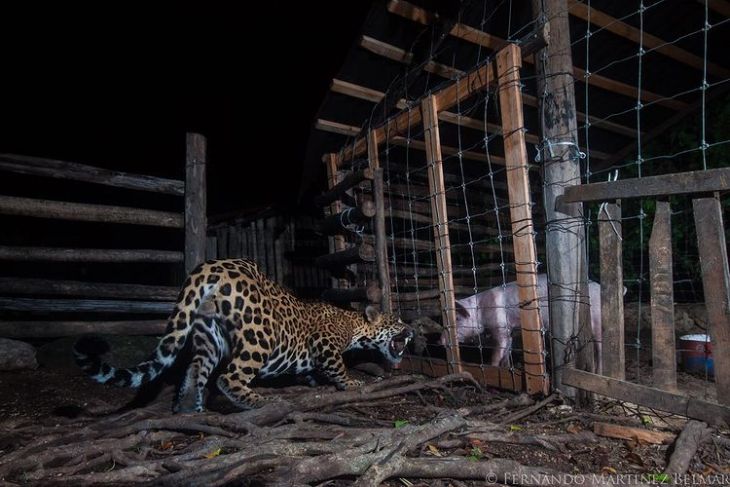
x=372 y=313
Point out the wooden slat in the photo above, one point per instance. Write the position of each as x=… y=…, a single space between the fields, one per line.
x=336 y=128
x=716 y=286
x=48 y=329
x=386 y=50
x=621 y=28
x=449 y=151
x=56 y=287
x=439 y=215
x=664 y=185
x=52 y=168
x=364 y=252
x=663 y=347
x=685 y=405
x=355 y=91
x=196 y=200
x=612 y=301
x=486 y=375
x=509 y=61
x=58 y=254
x=85 y=305
x=64 y=210
x=337 y=243
x=484 y=39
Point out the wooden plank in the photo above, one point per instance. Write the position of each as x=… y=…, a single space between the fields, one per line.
x=261 y=242
x=222 y=238
x=663 y=346
x=381 y=238
x=684 y=405
x=48 y=329
x=336 y=127
x=58 y=254
x=355 y=91
x=64 y=210
x=612 y=297
x=52 y=168
x=337 y=243
x=234 y=241
x=196 y=223
x=211 y=247
x=518 y=181
x=57 y=287
x=484 y=39
x=703 y=181
x=85 y=306
x=716 y=286
x=639 y=435
x=386 y=50
x=486 y=375
x=372 y=294
x=648 y=41
x=440 y=218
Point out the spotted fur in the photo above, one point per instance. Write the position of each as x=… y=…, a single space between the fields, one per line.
x=251 y=327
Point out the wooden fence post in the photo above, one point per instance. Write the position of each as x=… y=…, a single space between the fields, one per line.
x=509 y=61
x=381 y=243
x=195 y=201
x=613 y=356
x=440 y=220
x=716 y=286
x=664 y=349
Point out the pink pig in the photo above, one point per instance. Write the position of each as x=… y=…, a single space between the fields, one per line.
x=497 y=311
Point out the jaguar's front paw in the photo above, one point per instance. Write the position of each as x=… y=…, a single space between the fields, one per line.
x=352 y=384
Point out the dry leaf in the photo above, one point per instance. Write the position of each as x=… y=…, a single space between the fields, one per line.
x=608 y=471
x=434 y=451
x=635 y=459
x=213 y=454
x=574 y=428
x=166 y=445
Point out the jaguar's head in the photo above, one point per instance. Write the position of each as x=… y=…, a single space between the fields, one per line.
x=384 y=332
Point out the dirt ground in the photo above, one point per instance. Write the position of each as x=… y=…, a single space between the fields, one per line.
x=57 y=391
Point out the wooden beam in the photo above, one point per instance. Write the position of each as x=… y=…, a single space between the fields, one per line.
x=648 y=41
x=684 y=405
x=56 y=287
x=354 y=215
x=613 y=355
x=196 y=200
x=336 y=128
x=85 y=305
x=509 y=62
x=475 y=36
x=355 y=91
x=449 y=151
x=52 y=168
x=370 y=294
x=663 y=346
x=386 y=50
x=57 y=254
x=705 y=181
x=439 y=215
x=486 y=375
x=63 y=210
x=716 y=286
x=48 y=329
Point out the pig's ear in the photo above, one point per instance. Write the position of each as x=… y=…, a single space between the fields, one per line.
x=461 y=310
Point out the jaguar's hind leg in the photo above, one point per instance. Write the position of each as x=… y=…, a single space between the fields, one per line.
x=234 y=383
x=210 y=346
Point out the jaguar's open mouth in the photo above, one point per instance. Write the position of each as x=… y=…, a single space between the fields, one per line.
x=398 y=344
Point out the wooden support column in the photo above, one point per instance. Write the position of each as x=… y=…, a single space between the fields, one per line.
x=613 y=355
x=716 y=285
x=565 y=234
x=664 y=349
x=440 y=220
x=509 y=61
x=381 y=242
x=195 y=201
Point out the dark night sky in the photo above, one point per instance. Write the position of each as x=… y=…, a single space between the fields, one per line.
x=119 y=88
